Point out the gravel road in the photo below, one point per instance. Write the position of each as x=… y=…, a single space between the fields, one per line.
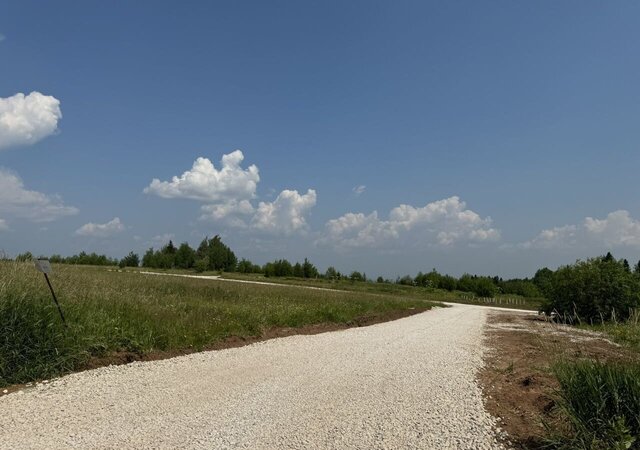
x=402 y=384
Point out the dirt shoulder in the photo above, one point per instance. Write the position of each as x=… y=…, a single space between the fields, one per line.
x=516 y=380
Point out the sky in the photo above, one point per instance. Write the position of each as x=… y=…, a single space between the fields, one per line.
x=488 y=137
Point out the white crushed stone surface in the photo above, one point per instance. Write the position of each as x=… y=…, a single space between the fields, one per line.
x=409 y=383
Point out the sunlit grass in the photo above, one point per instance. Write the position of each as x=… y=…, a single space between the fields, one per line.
x=111 y=311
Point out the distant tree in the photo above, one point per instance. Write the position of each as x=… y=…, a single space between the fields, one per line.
x=278 y=268
x=406 y=281
x=131 y=260
x=593 y=290
x=331 y=273
x=356 y=276
x=543 y=280
x=185 y=256
x=608 y=257
x=246 y=266
x=309 y=270
x=149 y=258
x=169 y=249
x=625 y=265
x=637 y=268
x=447 y=282
x=484 y=287
x=201 y=264
x=379 y=280
x=297 y=270
x=220 y=256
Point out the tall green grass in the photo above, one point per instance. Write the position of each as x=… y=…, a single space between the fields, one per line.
x=109 y=311
x=602 y=404
x=626 y=333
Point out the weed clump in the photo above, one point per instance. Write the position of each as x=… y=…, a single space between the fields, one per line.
x=602 y=404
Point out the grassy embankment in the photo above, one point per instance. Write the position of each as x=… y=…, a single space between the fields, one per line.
x=601 y=399
x=110 y=312
x=507 y=301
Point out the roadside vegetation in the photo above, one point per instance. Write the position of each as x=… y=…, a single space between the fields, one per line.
x=584 y=388
x=114 y=316
x=602 y=404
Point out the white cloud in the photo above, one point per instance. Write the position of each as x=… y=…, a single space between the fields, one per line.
x=358 y=190
x=228 y=193
x=286 y=214
x=17 y=201
x=206 y=183
x=3 y=225
x=618 y=229
x=231 y=212
x=444 y=222
x=101 y=229
x=26 y=119
x=557 y=237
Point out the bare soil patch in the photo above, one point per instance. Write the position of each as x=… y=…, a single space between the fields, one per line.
x=517 y=381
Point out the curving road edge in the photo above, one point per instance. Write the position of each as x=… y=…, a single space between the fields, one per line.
x=409 y=383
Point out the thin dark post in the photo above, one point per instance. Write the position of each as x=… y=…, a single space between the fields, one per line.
x=43 y=265
x=46 y=277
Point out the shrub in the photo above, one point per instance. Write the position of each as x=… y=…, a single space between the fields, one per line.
x=594 y=290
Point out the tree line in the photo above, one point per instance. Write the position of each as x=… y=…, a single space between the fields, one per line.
x=596 y=289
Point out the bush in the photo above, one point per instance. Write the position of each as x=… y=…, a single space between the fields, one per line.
x=602 y=403
x=594 y=290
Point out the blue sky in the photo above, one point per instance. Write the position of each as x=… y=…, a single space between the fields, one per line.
x=508 y=130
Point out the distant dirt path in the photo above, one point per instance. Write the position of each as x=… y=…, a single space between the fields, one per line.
x=409 y=383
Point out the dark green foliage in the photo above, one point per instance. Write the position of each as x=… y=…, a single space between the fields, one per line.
x=220 y=256
x=309 y=270
x=594 y=290
x=246 y=266
x=283 y=268
x=216 y=254
x=332 y=273
x=131 y=260
x=278 y=268
x=297 y=270
x=88 y=259
x=543 y=279
x=602 y=403
x=356 y=276
x=185 y=257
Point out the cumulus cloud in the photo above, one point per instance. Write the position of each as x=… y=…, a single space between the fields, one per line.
x=617 y=229
x=232 y=213
x=206 y=183
x=358 y=190
x=26 y=119
x=227 y=193
x=556 y=237
x=286 y=214
x=17 y=201
x=443 y=222
x=101 y=229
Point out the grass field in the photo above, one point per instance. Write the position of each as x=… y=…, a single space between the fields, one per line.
x=440 y=295
x=111 y=311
